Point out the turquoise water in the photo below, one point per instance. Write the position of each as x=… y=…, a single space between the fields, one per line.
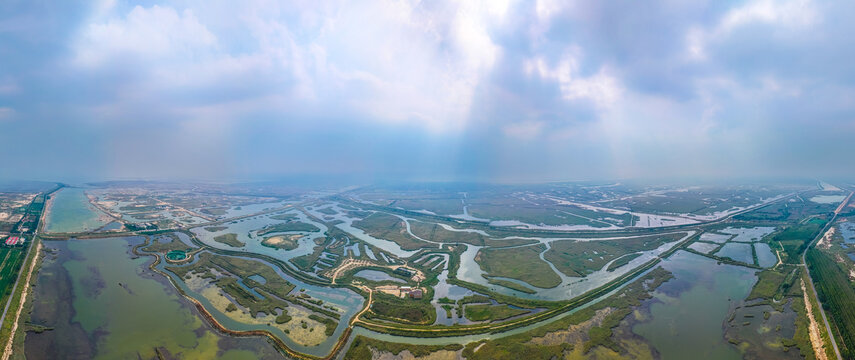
x=70 y=211
x=688 y=313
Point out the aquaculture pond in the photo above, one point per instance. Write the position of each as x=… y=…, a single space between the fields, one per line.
x=749 y=234
x=688 y=313
x=70 y=211
x=375 y=275
x=737 y=251
x=103 y=302
x=847 y=231
x=765 y=257
x=703 y=247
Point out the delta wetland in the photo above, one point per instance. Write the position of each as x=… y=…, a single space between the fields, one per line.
x=566 y=270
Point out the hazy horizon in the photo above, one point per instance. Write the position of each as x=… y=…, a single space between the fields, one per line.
x=492 y=91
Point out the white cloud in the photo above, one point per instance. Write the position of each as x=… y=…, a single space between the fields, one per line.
x=411 y=63
x=148 y=33
x=790 y=14
x=603 y=88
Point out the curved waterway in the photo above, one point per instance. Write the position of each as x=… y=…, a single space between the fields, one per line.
x=345 y=299
x=687 y=313
x=570 y=287
x=346 y=225
x=465 y=339
x=247 y=232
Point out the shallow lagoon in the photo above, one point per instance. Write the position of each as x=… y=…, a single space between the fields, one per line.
x=688 y=312
x=345 y=299
x=827 y=199
x=70 y=211
x=104 y=303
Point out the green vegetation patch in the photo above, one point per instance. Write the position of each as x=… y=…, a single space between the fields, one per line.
x=329 y=324
x=243 y=268
x=215 y=228
x=794 y=239
x=394 y=308
x=328 y=211
x=491 y=312
x=511 y=285
x=512 y=347
x=580 y=258
x=284 y=217
x=288 y=227
x=434 y=232
x=837 y=295
x=769 y=282
x=361 y=348
x=623 y=260
x=306 y=262
x=471 y=299
x=256 y=305
x=389 y=227
x=159 y=244
x=229 y=239
x=285 y=242
x=521 y=263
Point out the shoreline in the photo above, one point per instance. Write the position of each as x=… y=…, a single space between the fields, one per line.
x=206 y=314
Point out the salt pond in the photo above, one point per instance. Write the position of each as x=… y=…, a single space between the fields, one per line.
x=748 y=234
x=703 y=247
x=716 y=238
x=827 y=199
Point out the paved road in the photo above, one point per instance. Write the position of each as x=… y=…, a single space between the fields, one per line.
x=812 y=287
x=24 y=265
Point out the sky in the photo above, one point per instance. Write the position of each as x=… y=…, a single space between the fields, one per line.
x=493 y=90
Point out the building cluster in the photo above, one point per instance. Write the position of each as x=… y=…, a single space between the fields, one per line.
x=403 y=272
x=15 y=240
x=412 y=293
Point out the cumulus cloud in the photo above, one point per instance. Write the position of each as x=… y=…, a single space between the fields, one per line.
x=147 y=32
x=550 y=89
x=414 y=63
